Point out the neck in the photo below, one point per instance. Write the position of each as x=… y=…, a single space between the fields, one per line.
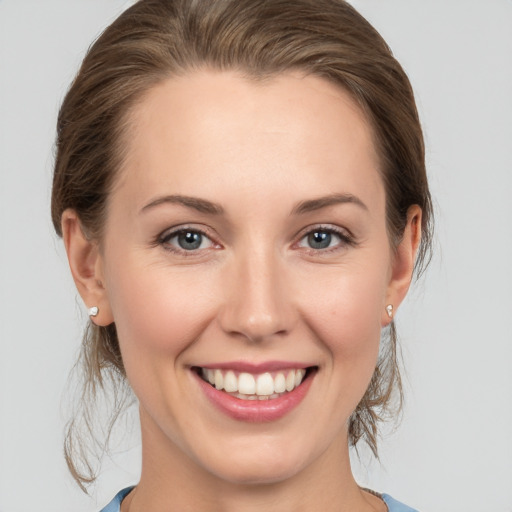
x=172 y=480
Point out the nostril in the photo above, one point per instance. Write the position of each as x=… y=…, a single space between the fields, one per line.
x=257 y=307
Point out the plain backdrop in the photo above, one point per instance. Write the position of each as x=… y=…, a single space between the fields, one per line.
x=453 y=450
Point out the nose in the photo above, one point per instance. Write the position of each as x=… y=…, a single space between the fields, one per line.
x=257 y=305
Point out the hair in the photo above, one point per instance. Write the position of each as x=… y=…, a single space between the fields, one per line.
x=155 y=40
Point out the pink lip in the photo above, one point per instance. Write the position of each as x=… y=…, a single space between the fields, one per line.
x=255 y=411
x=256 y=368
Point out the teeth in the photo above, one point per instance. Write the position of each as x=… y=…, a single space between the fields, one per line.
x=280 y=383
x=219 y=379
x=299 y=375
x=231 y=382
x=290 y=381
x=246 y=384
x=264 y=384
x=254 y=387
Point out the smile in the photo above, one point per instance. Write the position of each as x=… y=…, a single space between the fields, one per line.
x=249 y=393
x=248 y=386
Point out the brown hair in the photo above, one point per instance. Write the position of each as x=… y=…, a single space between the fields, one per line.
x=156 y=39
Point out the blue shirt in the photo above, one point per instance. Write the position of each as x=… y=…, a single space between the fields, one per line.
x=393 y=505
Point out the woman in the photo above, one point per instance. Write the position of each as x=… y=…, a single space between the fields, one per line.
x=241 y=190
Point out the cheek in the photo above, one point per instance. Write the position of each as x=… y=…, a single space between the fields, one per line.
x=345 y=312
x=158 y=313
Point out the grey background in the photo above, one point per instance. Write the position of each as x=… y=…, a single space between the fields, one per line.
x=453 y=450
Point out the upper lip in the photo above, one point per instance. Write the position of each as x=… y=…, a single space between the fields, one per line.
x=256 y=368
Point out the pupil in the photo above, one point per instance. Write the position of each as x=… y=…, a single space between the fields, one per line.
x=190 y=240
x=320 y=240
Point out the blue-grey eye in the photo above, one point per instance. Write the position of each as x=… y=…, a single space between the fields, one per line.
x=188 y=240
x=320 y=239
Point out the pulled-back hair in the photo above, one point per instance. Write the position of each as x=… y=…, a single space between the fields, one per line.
x=157 y=39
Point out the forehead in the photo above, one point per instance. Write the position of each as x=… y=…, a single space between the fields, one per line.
x=207 y=132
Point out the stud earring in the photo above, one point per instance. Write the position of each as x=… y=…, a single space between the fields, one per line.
x=389 y=309
x=93 y=311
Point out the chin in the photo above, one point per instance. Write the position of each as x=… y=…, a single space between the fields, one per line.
x=262 y=464
x=259 y=473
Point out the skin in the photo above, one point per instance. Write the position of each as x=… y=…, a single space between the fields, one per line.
x=255 y=290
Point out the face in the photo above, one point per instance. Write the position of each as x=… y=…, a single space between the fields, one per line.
x=246 y=244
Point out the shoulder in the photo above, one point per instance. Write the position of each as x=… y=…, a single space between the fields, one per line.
x=115 y=504
x=393 y=505
x=396 y=506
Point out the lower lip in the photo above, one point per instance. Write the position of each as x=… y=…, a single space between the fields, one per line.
x=255 y=411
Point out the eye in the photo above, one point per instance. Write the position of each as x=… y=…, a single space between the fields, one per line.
x=320 y=239
x=186 y=240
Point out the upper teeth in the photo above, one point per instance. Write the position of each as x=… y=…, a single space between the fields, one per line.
x=249 y=384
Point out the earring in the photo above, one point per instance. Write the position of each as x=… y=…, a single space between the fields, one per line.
x=93 y=311
x=389 y=309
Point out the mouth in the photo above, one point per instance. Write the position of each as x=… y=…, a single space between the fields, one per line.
x=269 y=385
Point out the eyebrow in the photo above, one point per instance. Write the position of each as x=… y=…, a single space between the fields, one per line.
x=209 y=207
x=195 y=203
x=323 y=202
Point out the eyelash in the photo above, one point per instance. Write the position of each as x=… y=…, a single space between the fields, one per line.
x=346 y=240
x=165 y=238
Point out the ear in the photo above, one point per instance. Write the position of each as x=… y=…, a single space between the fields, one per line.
x=86 y=264
x=402 y=266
